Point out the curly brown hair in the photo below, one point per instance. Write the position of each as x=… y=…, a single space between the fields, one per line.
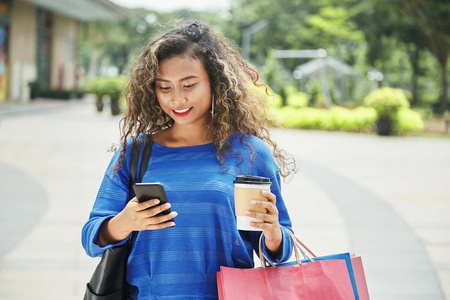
x=238 y=107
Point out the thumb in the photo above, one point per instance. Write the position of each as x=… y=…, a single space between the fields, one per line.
x=134 y=200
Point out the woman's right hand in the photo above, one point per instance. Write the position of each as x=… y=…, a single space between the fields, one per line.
x=135 y=217
x=142 y=216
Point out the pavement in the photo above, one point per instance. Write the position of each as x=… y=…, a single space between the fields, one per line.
x=384 y=198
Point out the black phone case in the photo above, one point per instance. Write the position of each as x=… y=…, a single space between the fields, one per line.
x=154 y=190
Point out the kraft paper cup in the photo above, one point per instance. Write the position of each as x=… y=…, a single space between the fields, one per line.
x=246 y=189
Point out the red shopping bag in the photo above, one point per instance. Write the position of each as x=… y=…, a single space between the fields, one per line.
x=315 y=280
x=324 y=279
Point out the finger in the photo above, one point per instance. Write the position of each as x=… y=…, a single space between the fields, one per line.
x=160 y=226
x=262 y=225
x=147 y=204
x=264 y=217
x=271 y=208
x=269 y=195
x=163 y=218
x=151 y=212
x=132 y=202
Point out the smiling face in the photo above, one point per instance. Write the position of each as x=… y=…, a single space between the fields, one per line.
x=183 y=91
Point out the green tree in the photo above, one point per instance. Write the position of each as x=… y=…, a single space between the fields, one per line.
x=124 y=37
x=117 y=42
x=298 y=24
x=386 y=31
x=432 y=17
x=282 y=31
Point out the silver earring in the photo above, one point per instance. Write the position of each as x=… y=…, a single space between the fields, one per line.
x=212 y=106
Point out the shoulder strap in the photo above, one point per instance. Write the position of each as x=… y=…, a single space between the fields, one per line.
x=148 y=142
x=135 y=153
x=133 y=166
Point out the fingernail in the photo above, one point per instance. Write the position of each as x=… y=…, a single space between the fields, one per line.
x=172 y=224
x=254 y=202
x=248 y=213
x=167 y=205
x=156 y=201
x=264 y=192
x=174 y=214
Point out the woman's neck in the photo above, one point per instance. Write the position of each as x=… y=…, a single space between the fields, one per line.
x=182 y=136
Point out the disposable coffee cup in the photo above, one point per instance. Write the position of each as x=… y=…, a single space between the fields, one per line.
x=246 y=189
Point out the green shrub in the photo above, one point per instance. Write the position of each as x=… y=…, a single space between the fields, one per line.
x=37 y=90
x=386 y=101
x=407 y=120
x=294 y=99
x=275 y=100
x=306 y=118
x=60 y=94
x=94 y=86
x=271 y=99
x=111 y=86
x=297 y=100
x=356 y=120
x=361 y=119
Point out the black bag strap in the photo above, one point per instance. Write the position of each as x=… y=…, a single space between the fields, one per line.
x=148 y=142
x=134 y=163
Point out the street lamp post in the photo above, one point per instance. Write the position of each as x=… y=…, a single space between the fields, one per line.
x=246 y=35
x=375 y=77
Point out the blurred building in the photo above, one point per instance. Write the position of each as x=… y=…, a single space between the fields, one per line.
x=38 y=42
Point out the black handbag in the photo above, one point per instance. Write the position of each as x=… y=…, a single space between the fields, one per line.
x=109 y=280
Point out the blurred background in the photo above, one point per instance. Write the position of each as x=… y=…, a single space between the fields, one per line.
x=313 y=54
x=358 y=91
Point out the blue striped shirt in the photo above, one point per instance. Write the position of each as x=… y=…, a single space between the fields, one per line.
x=181 y=262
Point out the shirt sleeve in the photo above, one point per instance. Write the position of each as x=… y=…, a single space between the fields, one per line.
x=111 y=199
x=265 y=165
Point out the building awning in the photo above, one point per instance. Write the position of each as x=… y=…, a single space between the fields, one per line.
x=84 y=10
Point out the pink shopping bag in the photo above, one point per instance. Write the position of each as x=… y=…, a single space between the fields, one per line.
x=360 y=277
x=313 y=280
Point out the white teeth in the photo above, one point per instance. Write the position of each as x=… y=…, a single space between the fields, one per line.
x=182 y=110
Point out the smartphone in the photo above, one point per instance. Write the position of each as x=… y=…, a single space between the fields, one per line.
x=153 y=190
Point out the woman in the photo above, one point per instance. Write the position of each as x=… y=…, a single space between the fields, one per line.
x=193 y=92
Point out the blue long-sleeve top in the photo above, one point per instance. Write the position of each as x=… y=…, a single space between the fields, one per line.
x=181 y=262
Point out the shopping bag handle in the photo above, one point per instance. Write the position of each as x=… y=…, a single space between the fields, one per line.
x=263 y=258
x=304 y=247
x=295 y=241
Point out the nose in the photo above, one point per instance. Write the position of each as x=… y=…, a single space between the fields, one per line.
x=178 y=96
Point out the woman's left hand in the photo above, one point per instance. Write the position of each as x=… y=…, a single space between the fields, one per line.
x=271 y=227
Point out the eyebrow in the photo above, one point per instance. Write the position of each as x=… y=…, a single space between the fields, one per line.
x=185 y=78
